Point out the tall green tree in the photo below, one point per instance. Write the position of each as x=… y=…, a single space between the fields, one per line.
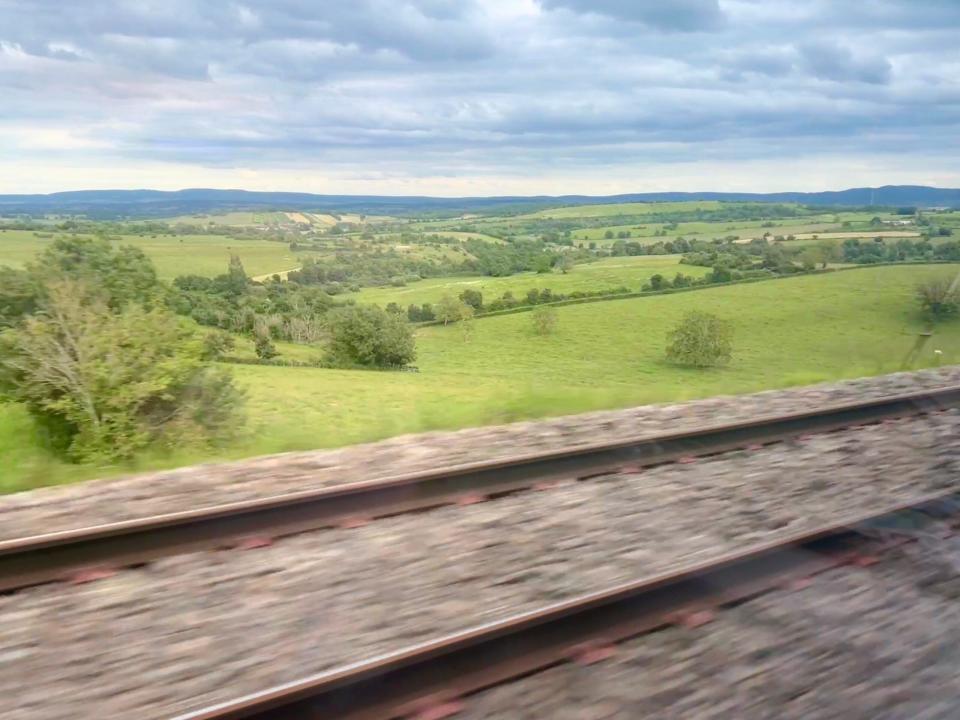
x=448 y=309
x=368 y=335
x=120 y=275
x=938 y=297
x=473 y=298
x=105 y=383
x=235 y=281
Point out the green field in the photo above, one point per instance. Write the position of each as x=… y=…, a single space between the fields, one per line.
x=227 y=218
x=468 y=236
x=644 y=232
x=607 y=273
x=608 y=354
x=578 y=211
x=172 y=255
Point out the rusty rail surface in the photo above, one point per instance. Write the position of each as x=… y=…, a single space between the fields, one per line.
x=54 y=556
x=411 y=681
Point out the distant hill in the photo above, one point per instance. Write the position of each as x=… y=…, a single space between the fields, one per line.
x=157 y=203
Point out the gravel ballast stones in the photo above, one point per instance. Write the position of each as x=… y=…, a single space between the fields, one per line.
x=875 y=643
x=195 y=629
x=191 y=488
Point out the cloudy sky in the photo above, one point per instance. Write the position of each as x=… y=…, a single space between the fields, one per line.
x=478 y=97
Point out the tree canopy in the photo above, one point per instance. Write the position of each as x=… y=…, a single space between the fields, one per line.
x=370 y=336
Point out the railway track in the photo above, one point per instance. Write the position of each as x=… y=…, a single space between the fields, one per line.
x=429 y=680
x=86 y=552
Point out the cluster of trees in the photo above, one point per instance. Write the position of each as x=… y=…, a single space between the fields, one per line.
x=474 y=300
x=777 y=258
x=659 y=282
x=561 y=227
x=499 y=260
x=349 y=271
x=903 y=249
x=269 y=311
x=89 y=347
x=729 y=257
x=622 y=248
x=375 y=266
x=355 y=335
x=92 y=346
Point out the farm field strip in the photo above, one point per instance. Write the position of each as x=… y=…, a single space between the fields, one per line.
x=172 y=255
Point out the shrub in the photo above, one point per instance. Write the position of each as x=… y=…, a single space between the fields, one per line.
x=466 y=323
x=544 y=319
x=659 y=282
x=367 y=335
x=105 y=384
x=264 y=347
x=216 y=344
x=701 y=340
x=473 y=298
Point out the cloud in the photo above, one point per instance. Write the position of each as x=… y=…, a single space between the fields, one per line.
x=405 y=92
x=828 y=61
x=679 y=15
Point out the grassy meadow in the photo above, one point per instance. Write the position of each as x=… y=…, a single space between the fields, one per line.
x=609 y=354
x=172 y=255
x=608 y=273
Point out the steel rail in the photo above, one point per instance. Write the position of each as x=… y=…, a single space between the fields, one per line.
x=54 y=556
x=407 y=682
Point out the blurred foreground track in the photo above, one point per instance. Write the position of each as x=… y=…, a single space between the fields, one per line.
x=429 y=680
x=91 y=552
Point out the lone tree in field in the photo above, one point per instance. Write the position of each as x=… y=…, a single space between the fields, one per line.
x=544 y=319
x=938 y=298
x=448 y=310
x=368 y=335
x=701 y=340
